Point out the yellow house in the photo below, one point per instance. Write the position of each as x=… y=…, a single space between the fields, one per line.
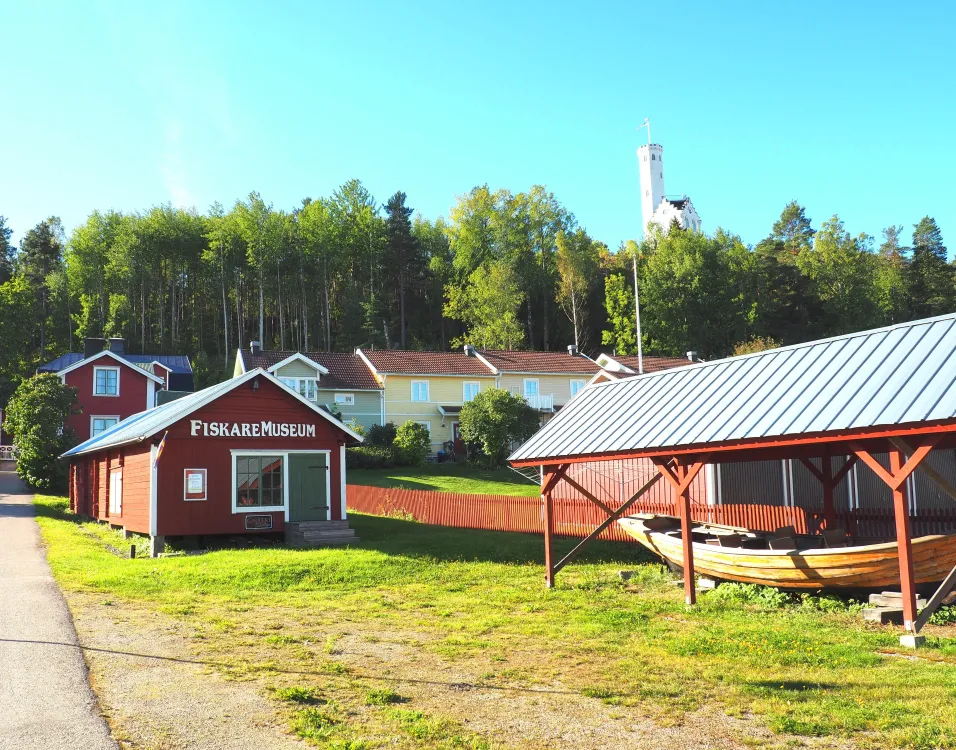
x=428 y=388
x=546 y=380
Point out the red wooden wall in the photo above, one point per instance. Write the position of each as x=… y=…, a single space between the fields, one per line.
x=131 y=399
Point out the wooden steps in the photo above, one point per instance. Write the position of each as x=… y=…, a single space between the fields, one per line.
x=319 y=534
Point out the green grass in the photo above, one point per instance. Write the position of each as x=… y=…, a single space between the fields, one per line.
x=449 y=477
x=800 y=665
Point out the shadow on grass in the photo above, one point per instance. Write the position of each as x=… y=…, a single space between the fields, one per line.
x=394 y=536
x=314 y=672
x=790 y=686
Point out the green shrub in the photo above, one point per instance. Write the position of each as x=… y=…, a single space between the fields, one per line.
x=493 y=420
x=766 y=597
x=412 y=443
x=36 y=415
x=381 y=435
x=369 y=457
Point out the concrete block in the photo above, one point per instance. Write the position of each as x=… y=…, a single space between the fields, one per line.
x=157 y=545
x=893 y=599
x=706 y=584
x=911 y=640
x=884 y=615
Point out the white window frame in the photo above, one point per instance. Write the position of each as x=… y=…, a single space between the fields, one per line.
x=296 y=385
x=426 y=424
x=427 y=398
x=116 y=498
x=582 y=384
x=285 y=479
x=103 y=416
x=347 y=399
x=464 y=390
x=537 y=387
x=96 y=369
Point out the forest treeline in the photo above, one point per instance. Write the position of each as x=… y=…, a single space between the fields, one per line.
x=503 y=270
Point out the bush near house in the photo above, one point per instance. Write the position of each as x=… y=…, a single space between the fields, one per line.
x=387 y=446
x=492 y=421
x=36 y=414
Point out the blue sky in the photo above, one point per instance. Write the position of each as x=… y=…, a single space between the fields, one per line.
x=847 y=107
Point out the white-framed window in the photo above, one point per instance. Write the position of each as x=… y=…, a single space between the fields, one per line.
x=470 y=390
x=305 y=387
x=531 y=387
x=101 y=424
x=427 y=425
x=420 y=390
x=116 y=492
x=259 y=482
x=577 y=386
x=345 y=399
x=106 y=381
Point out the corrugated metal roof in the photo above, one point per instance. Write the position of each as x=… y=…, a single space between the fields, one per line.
x=897 y=375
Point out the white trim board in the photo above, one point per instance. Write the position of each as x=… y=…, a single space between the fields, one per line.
x=107 y=353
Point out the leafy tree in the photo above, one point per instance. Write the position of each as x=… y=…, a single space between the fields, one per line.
x=620 y=333
x=382 y=435
x=577 y=262
x=891 y=278
x=488 y=306
x=413 y=443
x=16 y=333
x=36 y=415
x=493 y=420
x=793 y=229
x=41 y=253
x=755 y=344
x=930 y=275
x=7 y=251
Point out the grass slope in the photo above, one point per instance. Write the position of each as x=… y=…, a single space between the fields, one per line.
x=805 y=666
x=449 y=477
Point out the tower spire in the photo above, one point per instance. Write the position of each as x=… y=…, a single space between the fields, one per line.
x=647 y=124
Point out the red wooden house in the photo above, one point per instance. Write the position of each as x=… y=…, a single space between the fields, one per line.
x=245 y=456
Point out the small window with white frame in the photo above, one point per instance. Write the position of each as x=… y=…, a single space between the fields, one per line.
x=345 y=399
x=420 y=390
x=106 y=381
x=470 y=389
x=531 y=387
x=577 y=386
x=101 y=424
x=427 y=425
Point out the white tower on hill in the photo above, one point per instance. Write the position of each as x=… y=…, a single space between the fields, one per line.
x=656 y=207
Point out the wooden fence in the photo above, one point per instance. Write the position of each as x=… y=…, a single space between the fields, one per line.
x=578 y=517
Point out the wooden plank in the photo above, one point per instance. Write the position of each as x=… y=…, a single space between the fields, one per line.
x=928 y=470
x=948 y=584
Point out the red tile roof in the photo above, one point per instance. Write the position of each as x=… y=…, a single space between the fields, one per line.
x=402 y=362
x=654 y=364
x=347 y=371
x=543 y=362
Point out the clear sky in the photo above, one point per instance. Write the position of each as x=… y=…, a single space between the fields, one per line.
x=848 y=107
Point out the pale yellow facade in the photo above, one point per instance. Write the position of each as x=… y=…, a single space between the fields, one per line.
x=441 y=390
x=548 y=384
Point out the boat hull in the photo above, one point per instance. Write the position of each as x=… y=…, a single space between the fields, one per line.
x=870 y=566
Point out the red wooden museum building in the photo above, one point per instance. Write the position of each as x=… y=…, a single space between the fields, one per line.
x=247 y=456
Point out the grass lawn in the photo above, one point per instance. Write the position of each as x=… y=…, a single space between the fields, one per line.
x=447 y=477
x=805 y=666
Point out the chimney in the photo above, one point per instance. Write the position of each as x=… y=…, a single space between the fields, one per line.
x=255 y=347
x=573 y=350
x=692 y=356
x=93 y=346
x=117 y=345
x=469 y=350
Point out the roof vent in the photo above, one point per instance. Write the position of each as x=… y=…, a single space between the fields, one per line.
x=255 y=347
x=573 y=350
x=92 y=346
x=117 y=345
x=469 y=350
x=692 y=356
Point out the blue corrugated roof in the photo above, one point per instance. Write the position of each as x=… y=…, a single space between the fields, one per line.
x=178 y=363
x=902 y=374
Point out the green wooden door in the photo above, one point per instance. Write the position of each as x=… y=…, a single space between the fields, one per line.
x=308 y=483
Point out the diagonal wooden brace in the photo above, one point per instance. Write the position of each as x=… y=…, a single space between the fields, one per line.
x=588 y=495
x=895 y=479
x=680 y=483
x=928 y=470
x=944 y=588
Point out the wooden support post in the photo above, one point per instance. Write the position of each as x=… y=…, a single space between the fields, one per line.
x=548 y=481
x=904 y=542
x=829 y=512
x=683 y=500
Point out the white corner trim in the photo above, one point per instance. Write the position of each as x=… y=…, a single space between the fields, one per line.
x=300 y=357
x=153 y=491
x=107 y=353
x=342 y=482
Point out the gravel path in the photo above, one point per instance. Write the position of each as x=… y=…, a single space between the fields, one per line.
x=45 y=696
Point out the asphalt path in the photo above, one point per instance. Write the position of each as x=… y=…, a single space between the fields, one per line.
x=45 y=697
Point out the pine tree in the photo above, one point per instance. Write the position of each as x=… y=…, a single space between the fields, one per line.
x=930 y=275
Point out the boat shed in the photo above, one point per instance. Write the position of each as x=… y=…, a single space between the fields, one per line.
x=884 y=398
x=246 y=456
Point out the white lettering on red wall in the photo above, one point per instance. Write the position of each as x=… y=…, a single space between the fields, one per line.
x=250 y=429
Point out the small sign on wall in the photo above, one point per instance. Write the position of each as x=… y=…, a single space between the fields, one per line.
x=258 y=523
x=194 y=484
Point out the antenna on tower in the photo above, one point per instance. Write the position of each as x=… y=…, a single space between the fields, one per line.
x=646 y=124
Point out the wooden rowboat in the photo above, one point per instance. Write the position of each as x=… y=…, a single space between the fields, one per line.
x=863 y=567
